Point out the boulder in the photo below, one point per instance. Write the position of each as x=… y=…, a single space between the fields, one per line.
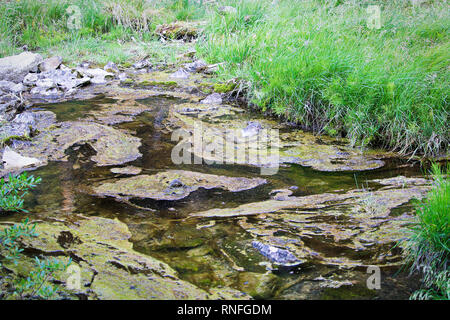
x=50 y=64
x=97 y=75
x=15 y=68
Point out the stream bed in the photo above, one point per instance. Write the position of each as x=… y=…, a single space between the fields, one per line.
x=226 y=225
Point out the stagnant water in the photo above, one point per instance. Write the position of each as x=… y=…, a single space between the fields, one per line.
x=198 y=253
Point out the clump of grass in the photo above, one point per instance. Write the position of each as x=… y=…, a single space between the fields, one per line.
x=318 y=63
x=428 y=247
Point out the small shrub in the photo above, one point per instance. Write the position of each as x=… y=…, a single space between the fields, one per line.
x=13 y=190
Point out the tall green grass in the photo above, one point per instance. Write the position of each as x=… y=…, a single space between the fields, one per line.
x=428 y=247
x=43 y=24
x=318 y=63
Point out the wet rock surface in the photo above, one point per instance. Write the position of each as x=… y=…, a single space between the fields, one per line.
x=109 y=146
x=173 y=185
x=217 y=233
x=112 y=269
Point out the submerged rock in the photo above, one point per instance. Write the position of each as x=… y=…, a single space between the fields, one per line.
x=262 y=145
x=111 y=146
x=130 y=170
x=258 y=285
x=172 y=185
x=317 y=228
x=279 y=256
x=119 y=112
x=110 y=268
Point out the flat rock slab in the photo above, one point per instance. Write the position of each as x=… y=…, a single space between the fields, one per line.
x=257 y=145
x=111 y=146
x=110 y=268
x=172 y=185
x=122 y=111
x=129 y=170
x=318 y=228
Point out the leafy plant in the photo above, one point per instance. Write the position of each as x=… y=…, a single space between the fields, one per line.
x=9 y=239
x=37 y=285
x=13 y=190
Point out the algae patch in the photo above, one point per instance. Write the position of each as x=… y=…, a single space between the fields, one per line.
x=172 y=185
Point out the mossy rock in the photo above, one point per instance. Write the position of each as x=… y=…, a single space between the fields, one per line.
x=224 y=87
x=258 y=285
x=164 y=84
x=110 y=268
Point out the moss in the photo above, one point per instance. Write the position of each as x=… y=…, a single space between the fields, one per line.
x=127 y=82
x=224 y=87
x=347 y=293
x=126 y=64
x=8 y=139
x=149 y=83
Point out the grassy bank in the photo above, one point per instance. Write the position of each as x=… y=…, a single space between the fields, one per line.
x=94 y=30
x=318 y=63
x=429 y=245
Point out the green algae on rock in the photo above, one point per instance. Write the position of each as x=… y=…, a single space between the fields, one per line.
x=353 y=222
x=129 y=170
x=111 y=269
x=111 y=146
x=258 y=285
x=119 y=112
x=216 y=123
x=172 y=185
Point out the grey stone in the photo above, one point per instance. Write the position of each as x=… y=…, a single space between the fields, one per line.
x=9 y=86
x=180 y=74
x=215 y=98
x=142 y=64
x=15 y=68
x=252 y=129
x=50 y=64
x=98 y=76
x=195 y=66
x=111 y=67
x=30 y=79
x=45 y=83
x=279 y=256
